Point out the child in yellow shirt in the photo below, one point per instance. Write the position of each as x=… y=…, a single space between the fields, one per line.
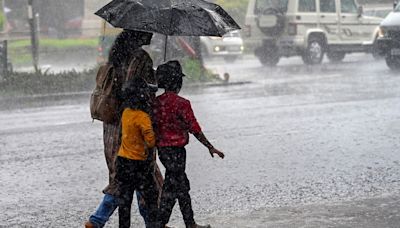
x=133 y=169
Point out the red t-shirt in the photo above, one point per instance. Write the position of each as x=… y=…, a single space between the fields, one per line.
x=174 y=119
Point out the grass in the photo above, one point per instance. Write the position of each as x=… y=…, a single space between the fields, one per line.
x=20 y=51
x=21 y=58
x=55 y=43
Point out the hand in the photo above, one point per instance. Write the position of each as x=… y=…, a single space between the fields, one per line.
x=215 y=151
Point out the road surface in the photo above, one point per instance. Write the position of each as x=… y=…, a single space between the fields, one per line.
x=306 y=146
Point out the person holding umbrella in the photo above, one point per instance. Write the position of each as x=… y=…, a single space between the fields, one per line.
x=174 y=120
x=129 y=61
x=170 y=18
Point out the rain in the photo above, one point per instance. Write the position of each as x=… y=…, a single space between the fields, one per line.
x=301 y=96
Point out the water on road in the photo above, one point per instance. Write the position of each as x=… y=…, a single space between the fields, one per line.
x=293 y=135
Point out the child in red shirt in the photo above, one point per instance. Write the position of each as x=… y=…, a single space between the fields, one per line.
x=174 y=119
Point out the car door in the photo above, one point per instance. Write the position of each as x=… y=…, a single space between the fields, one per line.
x=350 y=30
x=307 y=15
x=329 y=20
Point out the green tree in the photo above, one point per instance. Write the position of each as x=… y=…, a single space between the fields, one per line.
x=2 y=17
x=2 y=24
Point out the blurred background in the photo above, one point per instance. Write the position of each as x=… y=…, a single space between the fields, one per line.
x=70 y=36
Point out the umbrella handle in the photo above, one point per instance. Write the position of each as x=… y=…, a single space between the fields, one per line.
x=165 y=47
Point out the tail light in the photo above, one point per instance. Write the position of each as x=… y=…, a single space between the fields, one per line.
x=292 y=29
x=247 y=30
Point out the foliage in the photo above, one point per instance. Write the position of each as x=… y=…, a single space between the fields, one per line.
x=2 y=25
x=56 y=43
x=44 y=82
x=195 y=72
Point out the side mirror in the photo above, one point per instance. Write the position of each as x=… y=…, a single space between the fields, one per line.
x=360 y=11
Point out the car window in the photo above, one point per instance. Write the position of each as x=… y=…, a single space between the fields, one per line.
x=397 y=8
x=348 y=6
x=262 y=5
x=307 y=6
x=327 y=6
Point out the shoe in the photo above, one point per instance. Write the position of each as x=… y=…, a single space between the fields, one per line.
x=88 y=224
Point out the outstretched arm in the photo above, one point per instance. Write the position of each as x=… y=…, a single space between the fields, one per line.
x=195 y=129
x=202 y=138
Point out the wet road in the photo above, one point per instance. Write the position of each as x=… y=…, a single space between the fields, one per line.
x=294 y=135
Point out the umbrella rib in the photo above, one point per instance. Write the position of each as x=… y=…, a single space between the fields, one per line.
x=225 y=28
x=212 y=19
x=190 y=19
x=214 y=24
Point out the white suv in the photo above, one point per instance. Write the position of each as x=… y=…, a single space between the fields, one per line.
x=308 y=28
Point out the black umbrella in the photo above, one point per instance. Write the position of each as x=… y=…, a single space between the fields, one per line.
x=169 y=17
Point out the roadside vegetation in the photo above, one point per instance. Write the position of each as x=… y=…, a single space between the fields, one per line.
x=19 y=51
x=195 y=72
x=44 y=82
x=56 y=43
x=18 y=84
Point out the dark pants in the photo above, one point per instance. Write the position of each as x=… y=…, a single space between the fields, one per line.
x=176 y=185
x=135 y=175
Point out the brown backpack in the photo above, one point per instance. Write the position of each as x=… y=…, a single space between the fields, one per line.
x=104 y=104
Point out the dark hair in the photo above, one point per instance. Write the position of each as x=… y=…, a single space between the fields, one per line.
x=124 y=45
x=170 y=75
x=136 y=95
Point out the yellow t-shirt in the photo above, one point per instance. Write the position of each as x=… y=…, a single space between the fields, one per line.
x=137 y=135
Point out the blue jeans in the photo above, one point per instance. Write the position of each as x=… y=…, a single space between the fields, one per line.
x=107 y=208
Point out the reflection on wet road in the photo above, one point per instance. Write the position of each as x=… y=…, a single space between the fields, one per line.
x=294 y=135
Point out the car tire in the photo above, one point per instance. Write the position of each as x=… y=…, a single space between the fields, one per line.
x=335 y=56
x=375 y=51
x=393 y=62
x=268 y=55
x=271 y=61
x=315 y=51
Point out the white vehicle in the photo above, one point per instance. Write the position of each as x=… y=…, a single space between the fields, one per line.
x=308 y=28
x=389 y=39
x=230 y=46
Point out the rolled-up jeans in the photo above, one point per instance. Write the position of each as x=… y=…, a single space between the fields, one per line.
x=108 y=206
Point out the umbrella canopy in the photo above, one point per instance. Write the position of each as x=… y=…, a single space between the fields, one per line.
x=169 y=17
